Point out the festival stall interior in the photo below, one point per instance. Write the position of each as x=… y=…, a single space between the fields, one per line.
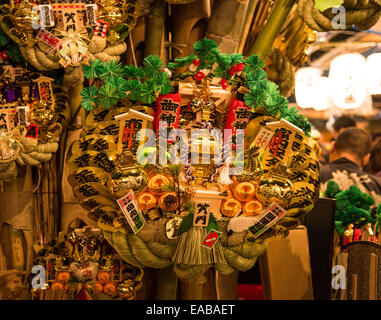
x=175 y=149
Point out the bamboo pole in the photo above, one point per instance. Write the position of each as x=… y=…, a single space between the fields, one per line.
x=52 y=222
x=45 y=201
x=154 y=28
x=266 y=37
x=248 y=19
x=56 y=203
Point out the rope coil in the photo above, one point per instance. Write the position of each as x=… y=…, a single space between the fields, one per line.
x=361 y=13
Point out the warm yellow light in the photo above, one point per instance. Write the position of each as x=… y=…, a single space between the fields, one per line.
x=348 y=78
x=305 y=89
x=374 y=73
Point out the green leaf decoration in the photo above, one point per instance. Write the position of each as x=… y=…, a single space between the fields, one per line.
x=134 y=87
x=4 y=40
x=212 y=224
x=204 y=48
x=257 y=81
x=109 y=95
x=340 y=227
x=206 y=51
x=236 y=58
x=94 y=69
x=271 y=94
x=252 y=64
x=252 y=100
x=181 y=62
x=166 y=87
x=131 y=72
x=224 y=60
x=153 y=66
x=148 y=92
x=88 y=98
x=123 y=30
x=111 y=71
x=221 y=73
x=121 y=85
x=353 y=207
x=186 y=224
x=164 y=83
x=14 y=53
x=224 y=63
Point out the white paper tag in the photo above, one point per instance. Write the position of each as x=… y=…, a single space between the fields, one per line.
x=131 y=211
x=23 y=115
x=267 y=218
x=263 y=138
x=92 y=14
x=48 y=38
x=201 y=214
x=46 y=15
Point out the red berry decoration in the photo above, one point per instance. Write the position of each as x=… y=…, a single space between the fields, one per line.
x=199 y=76
x=224 y=84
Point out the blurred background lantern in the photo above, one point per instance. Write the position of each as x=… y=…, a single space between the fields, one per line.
x=374 y=73
x=349 y=81
x=305 y=87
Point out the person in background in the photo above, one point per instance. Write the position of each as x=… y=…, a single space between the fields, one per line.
x=375 y=158
x=340 y=124
x=334 y=126
x=350 y=153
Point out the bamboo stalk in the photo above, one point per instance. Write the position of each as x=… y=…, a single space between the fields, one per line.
x=261 y=14
x=266 y=12
x=56 y=203
x=248 y=20
x=266 y=37
x=36 y=210
x=42 y=203
x=51 y=199
x=154 y=28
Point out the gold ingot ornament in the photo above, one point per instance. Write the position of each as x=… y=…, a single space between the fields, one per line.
x=126 y=176
x=275 y=186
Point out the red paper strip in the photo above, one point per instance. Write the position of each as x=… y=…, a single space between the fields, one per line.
x=168 y=110
x=32 y=131
x=239 y=114
x=101 y=29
